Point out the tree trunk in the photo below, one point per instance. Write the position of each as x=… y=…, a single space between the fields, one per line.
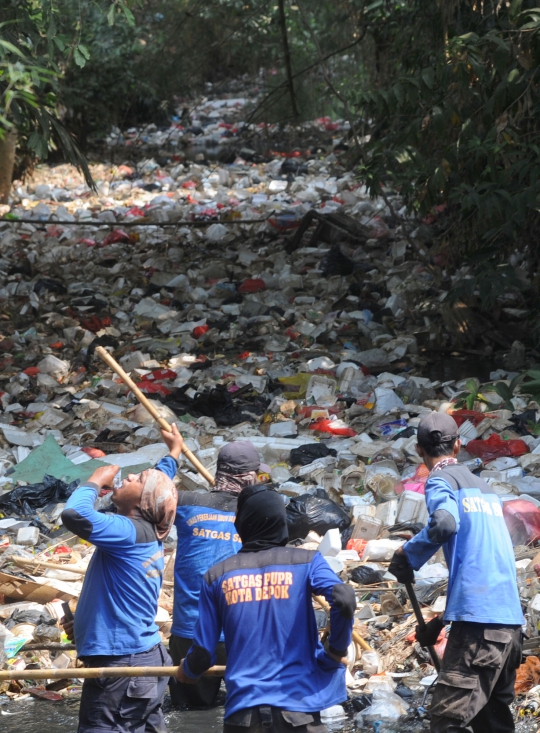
x=7 y=161
x=287 y=55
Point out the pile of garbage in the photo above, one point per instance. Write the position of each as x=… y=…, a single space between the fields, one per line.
x=274 y=302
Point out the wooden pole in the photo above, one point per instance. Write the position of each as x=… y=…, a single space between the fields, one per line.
x=93 y=672
x=145 y=402
x=355 y=635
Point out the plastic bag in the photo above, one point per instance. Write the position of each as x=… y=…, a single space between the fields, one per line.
x=46 y=633
x=528 y=675
x=306 y=454
x=522 y=518
x=23 y=500
x=495 y=447
x=314 y=512
x=364 y=575
x=29 y=616
x=386 y=706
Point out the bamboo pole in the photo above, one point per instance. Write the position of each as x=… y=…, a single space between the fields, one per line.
x=355 y=635
x=93 y=672
x=145 y=402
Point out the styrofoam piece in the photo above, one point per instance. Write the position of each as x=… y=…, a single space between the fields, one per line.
x=366 y=528
x=330 y=544
x=381 y=550
x=321 y=390
x=28 y=536
x=387 y=512
x=364 y=510
x=412 y=508
x=282 y=428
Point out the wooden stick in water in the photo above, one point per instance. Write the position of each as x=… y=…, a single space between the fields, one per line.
x=93 y=672
x=145 y=402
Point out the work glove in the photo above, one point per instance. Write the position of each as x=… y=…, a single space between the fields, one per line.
x=430 y=634
x=401 y=568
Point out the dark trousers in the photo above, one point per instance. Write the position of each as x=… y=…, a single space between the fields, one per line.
x=266 y=719
x=124 y=704
x=476 y=682
x=204 y=692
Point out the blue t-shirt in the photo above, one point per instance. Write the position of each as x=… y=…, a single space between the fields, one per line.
x=262 y=601
x=118 y=604
x=466 y=519
x=206 y=536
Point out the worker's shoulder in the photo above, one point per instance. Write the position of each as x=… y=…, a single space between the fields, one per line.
x=211 y=500
x=259 y=560
x=458 y=477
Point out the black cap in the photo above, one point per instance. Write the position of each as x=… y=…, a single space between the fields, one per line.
x=437 y=428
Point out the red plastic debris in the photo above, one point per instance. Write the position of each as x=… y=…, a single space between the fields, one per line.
x=244 y=355
x=358 y=545
x=199 y=331
x=93 y=452
x=57 y=345
x=495 y=447
x=96 y=323
x=31 y=371
x=252 y=285
x=116 y=236
x=189 y=184
x=522 y=518
x=473 y=415
x=160 y=374
x=153 y=388
x=334 y=427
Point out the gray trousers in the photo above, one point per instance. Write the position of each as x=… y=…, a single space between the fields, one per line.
x=476 y=682
x=267 y=719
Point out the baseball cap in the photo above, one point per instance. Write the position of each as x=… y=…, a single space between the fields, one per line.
x=437 y=428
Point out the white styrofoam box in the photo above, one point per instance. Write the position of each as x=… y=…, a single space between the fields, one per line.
x=330 y=544
x=412 y=508
x=387 y=512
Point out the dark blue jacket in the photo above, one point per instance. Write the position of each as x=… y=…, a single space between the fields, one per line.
x=262 y=601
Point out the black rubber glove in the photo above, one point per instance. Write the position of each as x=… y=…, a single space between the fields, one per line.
x=429 y=636
x=401 y=568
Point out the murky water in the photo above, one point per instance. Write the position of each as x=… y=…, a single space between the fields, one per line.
x=40 y=716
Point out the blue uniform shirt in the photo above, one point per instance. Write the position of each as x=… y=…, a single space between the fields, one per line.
x=206 y=536
x=262 y=601
x=118 y=604
x=466 y=518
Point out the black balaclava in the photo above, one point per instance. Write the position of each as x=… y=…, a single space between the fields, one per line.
x=261 y=520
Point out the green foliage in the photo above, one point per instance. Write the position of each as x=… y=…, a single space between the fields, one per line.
x=456 y=123
x=37 y=41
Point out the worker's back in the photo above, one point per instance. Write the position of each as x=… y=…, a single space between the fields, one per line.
x=206 y=535
x=263 y=602
x=482 y=575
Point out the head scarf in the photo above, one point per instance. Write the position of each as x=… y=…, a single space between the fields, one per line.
x=158 y=501
x=237 y=466
x=261 y=520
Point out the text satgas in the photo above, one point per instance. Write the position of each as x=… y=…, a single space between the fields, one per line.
x=477 y=504
x=256 y=587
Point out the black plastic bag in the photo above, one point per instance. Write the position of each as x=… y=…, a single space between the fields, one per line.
x=314 y=512
x=346 y=536
x=336 y=263
x=24 y=500
x=29 y=617
x=306 y=454
x=47 y=633
x=364 y=575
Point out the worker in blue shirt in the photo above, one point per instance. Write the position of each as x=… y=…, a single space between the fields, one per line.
x=476 y=682
x=206 y=535
x=278 y=674
x=114 y=623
